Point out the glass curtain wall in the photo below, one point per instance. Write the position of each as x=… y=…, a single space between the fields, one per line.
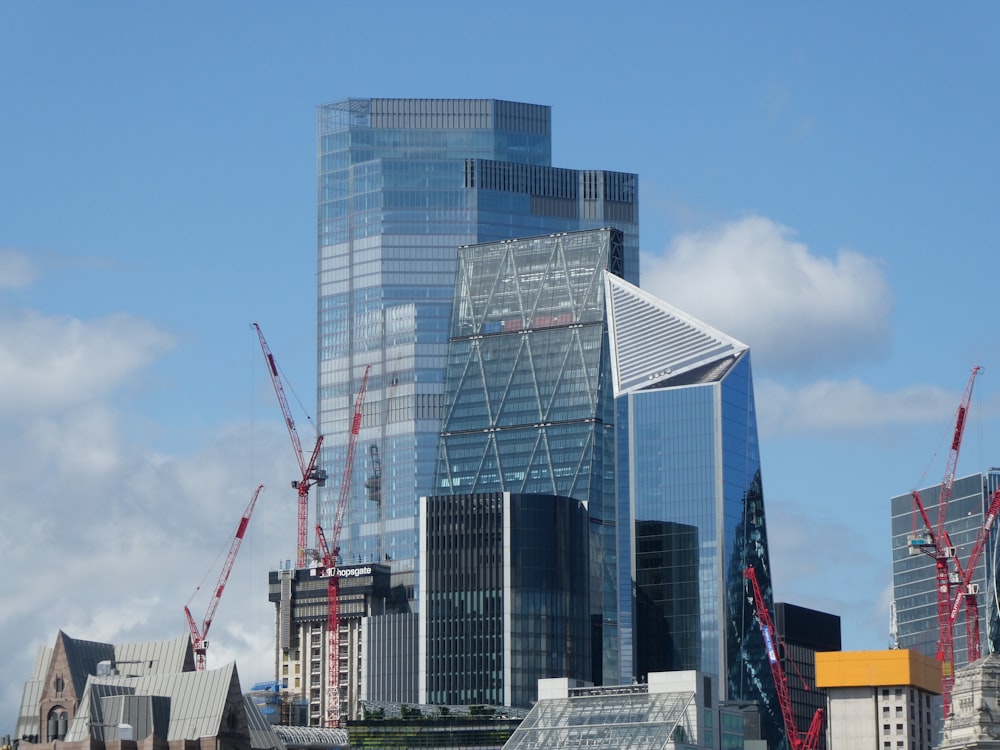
x=402 y=183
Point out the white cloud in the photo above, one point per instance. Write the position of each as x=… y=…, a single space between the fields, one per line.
x=799 y=312
x=107 y=538
x=16 y=269
x=848 y=406
x=49 y=363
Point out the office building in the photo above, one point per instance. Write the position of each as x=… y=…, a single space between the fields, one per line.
x=879 y=699
x=805 y=632
x=402 y=183
x=914 y=575
x=673 y=710
x=301 y=660
x=689 y=462
x=504 y=596
x=528 y=403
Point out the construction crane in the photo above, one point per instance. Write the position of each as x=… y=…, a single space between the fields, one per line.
x=310 y=473
x=969 y=591
x=796 y=741
x=373 y=485
x=329 y=557
x=934 y=541
x=199 y=644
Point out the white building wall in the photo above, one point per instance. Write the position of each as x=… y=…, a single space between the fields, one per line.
x=852 y=719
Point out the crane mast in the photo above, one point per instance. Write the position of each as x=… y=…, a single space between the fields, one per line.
x=935 y=541
x=330 y=552
x=199 y=644
x=310 y=473
x=810 y=740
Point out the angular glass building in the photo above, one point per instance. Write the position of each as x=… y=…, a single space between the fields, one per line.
x=528 y=402
x=688 y=461
x=402 y=183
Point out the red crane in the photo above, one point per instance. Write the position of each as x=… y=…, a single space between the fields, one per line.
x=968 y=591
x=198 y=643
x=771 y=642
x=311 y=474
x=329 y=556
x=934 y=541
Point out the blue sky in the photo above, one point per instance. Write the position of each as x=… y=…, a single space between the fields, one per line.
x=817 y=181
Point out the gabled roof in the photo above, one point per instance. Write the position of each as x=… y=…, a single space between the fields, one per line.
x=196 y=705
x=653 y=343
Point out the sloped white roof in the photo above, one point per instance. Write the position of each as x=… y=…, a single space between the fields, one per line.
x=196 y=709
x=652 y=342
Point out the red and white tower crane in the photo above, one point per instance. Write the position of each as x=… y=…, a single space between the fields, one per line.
x=796 y=741
x=330 y=552
x=934 y=541
x=969 y=591
x=310 y=473
x=199 y=644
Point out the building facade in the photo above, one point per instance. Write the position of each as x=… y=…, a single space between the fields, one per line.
x=504 y=581
x=528 y=402
x=689 y=463
x=804 y=632
x=879 y=699
x=913 y=574
x=402 y=183
x=301 y=646
x=975 y=720
x=671 y=711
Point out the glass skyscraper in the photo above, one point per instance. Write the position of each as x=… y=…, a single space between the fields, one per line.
x=528 y=401
x=688 y=461
x=914 y=580
x=402 y=183
x=505 y=596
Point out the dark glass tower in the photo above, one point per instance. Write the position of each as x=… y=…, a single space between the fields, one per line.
x=528 y=403
x=403 y=183
x=689 y=462
x=505 y=596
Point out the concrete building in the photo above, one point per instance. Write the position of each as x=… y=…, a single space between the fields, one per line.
x=879 y=699
x=689 y=465
x=672 y=710
x=86 y=695
x=300 y=655
x=974 y=723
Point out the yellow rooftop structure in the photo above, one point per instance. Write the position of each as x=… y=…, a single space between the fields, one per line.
x=835 y=669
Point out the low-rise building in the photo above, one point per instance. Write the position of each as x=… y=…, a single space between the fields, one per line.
x=88 y=695
x=879 y=699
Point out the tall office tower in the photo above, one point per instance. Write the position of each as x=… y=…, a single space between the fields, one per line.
x=403 y=183
x=805 y=632
x=528 y=404
x=689 y=463
x=505 y=596
x=913 y=574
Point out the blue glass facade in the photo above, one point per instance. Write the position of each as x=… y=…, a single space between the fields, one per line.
x=402 y=183
x=528 y=402
x=689 y=461
x=692 y=542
